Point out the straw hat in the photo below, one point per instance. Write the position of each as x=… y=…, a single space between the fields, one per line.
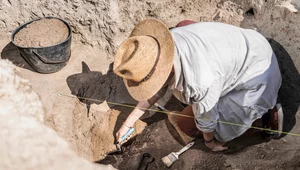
x=145 y=59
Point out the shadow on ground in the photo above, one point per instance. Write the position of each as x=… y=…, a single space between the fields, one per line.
x=11 y=53
x=93 y=87
x=87 y=86
x=290 y=89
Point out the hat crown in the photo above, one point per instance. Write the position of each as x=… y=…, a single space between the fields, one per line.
x=136 y=58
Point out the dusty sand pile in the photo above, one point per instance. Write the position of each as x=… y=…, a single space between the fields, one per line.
x=42 y=33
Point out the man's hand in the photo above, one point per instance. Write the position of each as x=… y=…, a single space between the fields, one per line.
x=122 y=131
x=216 y=146
x=211 y=143
x=133 y=117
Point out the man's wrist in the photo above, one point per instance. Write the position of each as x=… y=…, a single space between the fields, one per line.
x=124 y=124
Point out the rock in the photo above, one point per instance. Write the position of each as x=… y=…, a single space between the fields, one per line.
x=218 y=16
x=227 y=164
x=296 y=4
x=293 y=7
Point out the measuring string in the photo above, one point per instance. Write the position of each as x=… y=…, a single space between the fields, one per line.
x=178 y=114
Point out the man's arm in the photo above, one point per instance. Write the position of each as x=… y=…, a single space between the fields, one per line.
x=139 y=110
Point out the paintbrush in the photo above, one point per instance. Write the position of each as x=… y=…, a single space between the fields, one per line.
x=174 y=156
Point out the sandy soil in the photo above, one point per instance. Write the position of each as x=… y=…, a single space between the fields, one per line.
x=95 y=130
x=42 y=33
x=158 y=138
x=246 y=152
x=99 y=26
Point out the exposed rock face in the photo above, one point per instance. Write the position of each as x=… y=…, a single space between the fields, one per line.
x=25 y=142
x=17 y=94
x=93 y=22
x=107 y=23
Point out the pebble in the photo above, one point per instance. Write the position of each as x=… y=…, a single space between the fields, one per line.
x=227 y=164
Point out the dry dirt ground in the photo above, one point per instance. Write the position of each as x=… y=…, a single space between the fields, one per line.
x=99 y=27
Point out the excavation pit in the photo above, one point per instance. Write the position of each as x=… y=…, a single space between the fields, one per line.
x=99 y=28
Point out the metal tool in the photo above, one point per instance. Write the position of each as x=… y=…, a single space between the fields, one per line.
x=160 y=107
x=119 y=143
x=174 y=156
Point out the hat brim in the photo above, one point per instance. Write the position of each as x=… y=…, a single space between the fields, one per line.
x=155 y=28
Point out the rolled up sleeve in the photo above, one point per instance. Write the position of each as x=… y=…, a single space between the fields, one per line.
x=206 y=121
x=206 y=118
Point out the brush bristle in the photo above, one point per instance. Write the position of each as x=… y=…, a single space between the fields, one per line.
x=169 y=159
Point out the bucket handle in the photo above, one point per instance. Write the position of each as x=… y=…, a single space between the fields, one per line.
x=45 y=60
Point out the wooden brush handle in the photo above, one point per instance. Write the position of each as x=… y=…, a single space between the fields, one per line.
x=188 y=146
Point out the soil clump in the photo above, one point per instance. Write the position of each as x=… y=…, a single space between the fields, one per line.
x=42 y=33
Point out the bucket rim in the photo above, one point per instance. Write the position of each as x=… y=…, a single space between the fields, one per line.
x=29 y=22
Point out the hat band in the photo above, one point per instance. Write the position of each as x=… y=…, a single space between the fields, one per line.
x=156 y=61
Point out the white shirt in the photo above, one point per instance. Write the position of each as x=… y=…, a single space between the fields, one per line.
x=214 y=59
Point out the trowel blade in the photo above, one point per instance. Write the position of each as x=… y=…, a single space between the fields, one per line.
x=118 y=150
x=115 y=152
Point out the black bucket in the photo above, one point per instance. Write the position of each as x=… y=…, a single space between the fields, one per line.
x=46 y=59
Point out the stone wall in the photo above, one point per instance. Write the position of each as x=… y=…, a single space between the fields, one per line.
x=106 y=23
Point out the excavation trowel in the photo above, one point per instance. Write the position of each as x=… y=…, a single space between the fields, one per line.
x=119 y=143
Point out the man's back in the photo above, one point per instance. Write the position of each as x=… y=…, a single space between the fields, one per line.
x=211 y=50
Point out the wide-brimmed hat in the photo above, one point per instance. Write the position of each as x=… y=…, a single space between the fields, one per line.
x=145 y=59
